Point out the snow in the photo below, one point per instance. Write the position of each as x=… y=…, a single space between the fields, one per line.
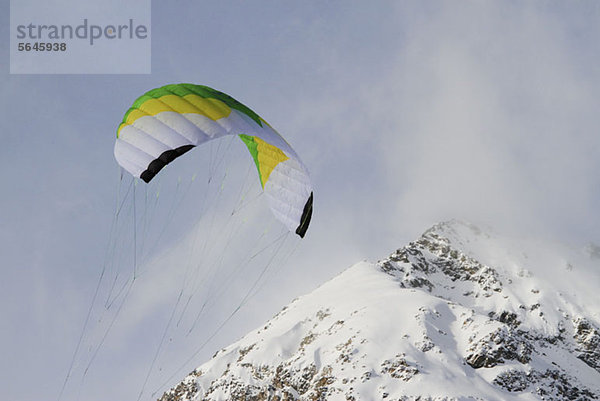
x=461 y=313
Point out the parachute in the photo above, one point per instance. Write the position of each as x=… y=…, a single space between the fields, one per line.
x=167 y=122
x=219 y=257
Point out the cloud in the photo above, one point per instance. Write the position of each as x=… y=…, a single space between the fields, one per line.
x=405 y=114
x=487 y=117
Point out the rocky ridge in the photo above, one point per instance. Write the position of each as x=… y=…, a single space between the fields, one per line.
x=442 y=318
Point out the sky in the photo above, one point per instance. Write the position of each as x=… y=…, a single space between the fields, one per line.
x=405 y=113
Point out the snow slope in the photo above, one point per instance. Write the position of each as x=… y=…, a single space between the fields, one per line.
x=458 y=314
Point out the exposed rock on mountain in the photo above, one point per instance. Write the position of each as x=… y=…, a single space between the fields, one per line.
x=458 y=314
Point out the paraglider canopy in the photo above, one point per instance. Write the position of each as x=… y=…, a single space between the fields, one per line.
x=167 y=122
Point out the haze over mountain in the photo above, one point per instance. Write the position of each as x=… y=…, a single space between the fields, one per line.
x=458 y=314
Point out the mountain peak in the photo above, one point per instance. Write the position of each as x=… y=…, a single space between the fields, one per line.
x=454 y=228
x=450 y=316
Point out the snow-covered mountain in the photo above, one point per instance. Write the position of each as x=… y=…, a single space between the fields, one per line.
x=458 y=314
